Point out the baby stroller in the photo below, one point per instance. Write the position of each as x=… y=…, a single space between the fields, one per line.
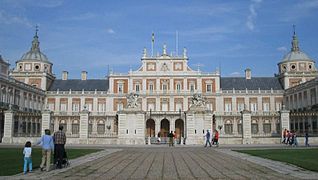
x=65 y=162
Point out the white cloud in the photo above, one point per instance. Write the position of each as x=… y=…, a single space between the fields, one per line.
x=235 y=74
x=251 y=18
x=6 y=18
x=282 y=49
x=80 y=17
x=110 y=31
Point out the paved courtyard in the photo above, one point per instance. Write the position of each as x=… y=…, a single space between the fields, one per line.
x=169 y=163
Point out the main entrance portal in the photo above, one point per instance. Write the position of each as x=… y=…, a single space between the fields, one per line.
x=164 y=128
x=179 y=130
x=150 y=128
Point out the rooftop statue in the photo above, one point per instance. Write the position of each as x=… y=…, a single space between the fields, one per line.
x=198 y=100
x=132 y=99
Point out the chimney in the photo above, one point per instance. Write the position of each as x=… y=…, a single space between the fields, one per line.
x=248 y=73
x=84 y=75
x=64 y=75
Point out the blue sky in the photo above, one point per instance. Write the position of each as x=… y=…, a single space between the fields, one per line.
x=90 y=35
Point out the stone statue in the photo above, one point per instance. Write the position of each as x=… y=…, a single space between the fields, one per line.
x=198 y=100
x=132 y=99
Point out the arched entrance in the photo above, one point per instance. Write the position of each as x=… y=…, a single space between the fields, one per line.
x=164 y=128
x=150 y=128
x=179 y=125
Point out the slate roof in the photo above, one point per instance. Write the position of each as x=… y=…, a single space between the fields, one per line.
x=255 y=83
x=79 y=85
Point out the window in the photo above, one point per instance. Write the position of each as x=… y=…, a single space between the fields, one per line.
x=208 y=88
x=228 y=127
x=228 y=107
x=164 y=87
x=178 y=106
x=89 y=107
x=209 y=106
x=151 y=87
x=267 y=128
x=266 y=107
x=63 y=124
x=254 y=127
x=120 y=106
x=178 y=87
x=253 y=107
x=90 y=127
x=120 y=88
x=164 y=106
x=51 y=106
x=192 y=87
x=239 y=128
x=63 y=107
x=75 y=107
x=75 y=127
x=137 y=88
x=278 y=106
x=240 y=107
x=151 y=106
x=101 y=127
x=101 y=107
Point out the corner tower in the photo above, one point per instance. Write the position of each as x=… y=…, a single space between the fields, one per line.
x=34 y=68
x=296 y=67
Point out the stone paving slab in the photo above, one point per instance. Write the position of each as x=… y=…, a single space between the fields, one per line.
x=181 y=162
x=167 y=163
x=281 y=167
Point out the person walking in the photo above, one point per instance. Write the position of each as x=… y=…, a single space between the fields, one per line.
x=216 y=138
x=59 y=149
x=207 y=137
x=306 y=139
x=27 y=151
x=46 y=142
x=170 y=136
x=284 y=136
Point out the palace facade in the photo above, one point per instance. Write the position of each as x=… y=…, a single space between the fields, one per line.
x=165 y=94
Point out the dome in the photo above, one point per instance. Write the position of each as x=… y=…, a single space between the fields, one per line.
x=296 y=56
x=34 y=54
x=295 y=53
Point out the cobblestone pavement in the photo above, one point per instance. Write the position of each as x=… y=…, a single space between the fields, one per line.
x=168 y=163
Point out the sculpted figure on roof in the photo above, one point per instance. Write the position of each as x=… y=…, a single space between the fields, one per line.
x=132 y=99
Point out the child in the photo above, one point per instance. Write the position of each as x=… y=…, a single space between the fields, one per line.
x=27 y=151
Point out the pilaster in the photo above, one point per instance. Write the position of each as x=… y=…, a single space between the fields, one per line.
x=84 y=126
x=8 y=126
x=246 y=123
x=46 y=121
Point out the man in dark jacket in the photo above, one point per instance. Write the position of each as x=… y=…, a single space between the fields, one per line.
x=59 y=149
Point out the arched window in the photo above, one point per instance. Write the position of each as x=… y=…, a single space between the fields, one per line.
x=239 y=127
x=267 y=128
x=75 y=127
x=254 y=127
x=101 y=127
x=228 y=127
x=63 y=123
x=90 y=127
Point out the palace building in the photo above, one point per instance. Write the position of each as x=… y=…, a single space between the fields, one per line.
x=164 y=94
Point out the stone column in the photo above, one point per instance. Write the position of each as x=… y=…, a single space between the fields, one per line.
x=246 y=123
x=284 y=120
x=46 y=121
x=83 y=134
x=8 y=126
